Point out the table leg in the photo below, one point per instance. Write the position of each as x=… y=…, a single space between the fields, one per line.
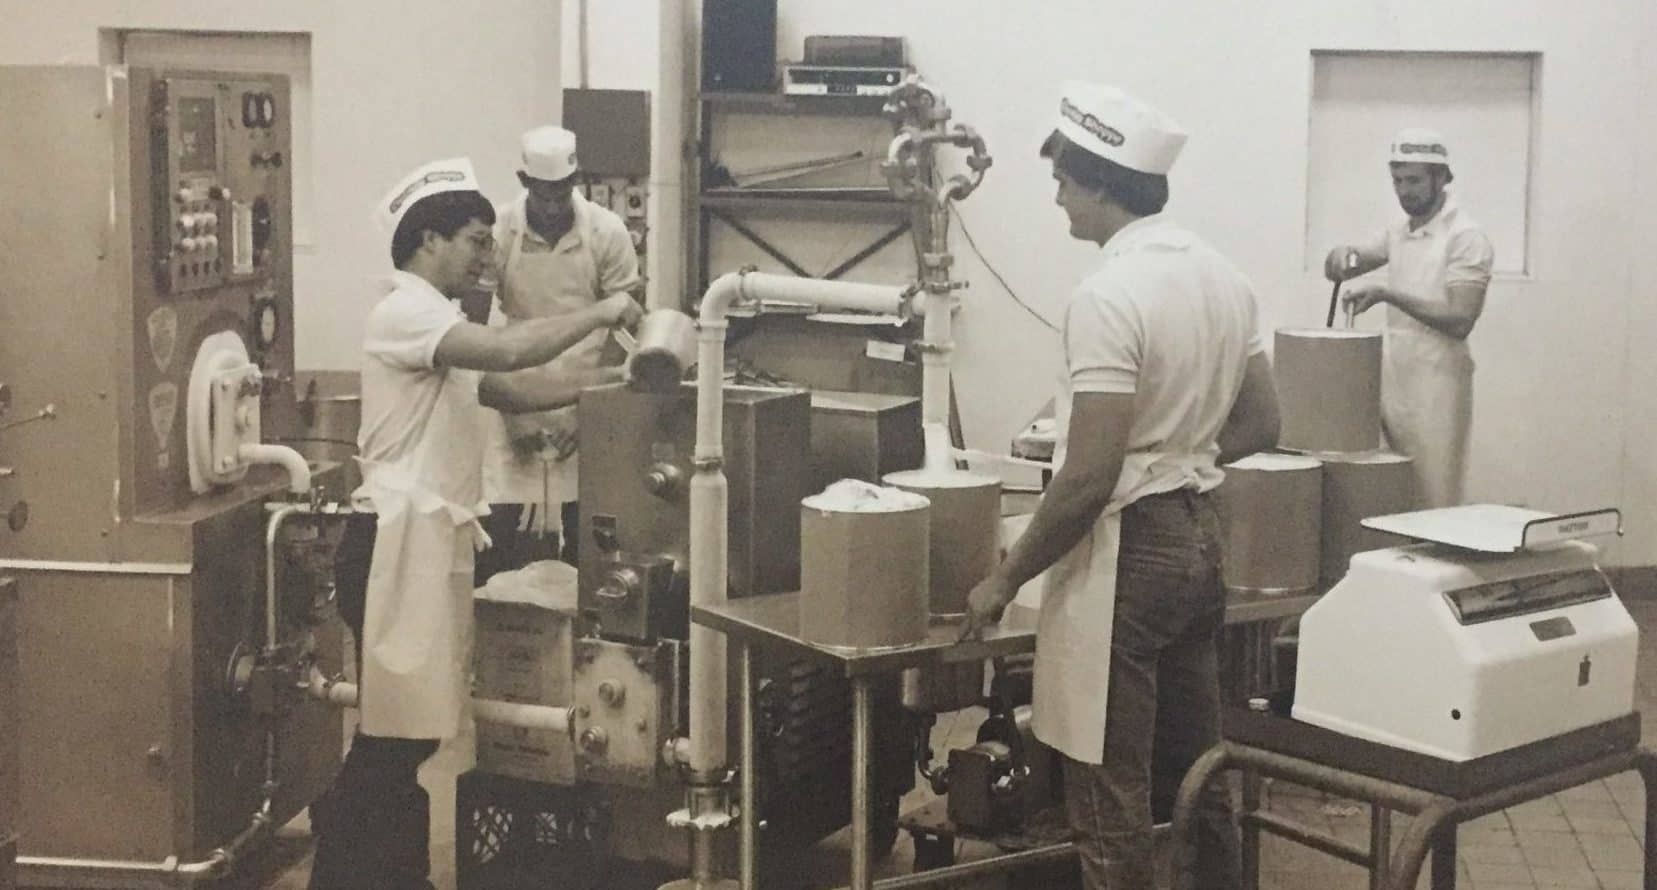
x=1412 y=850
x=1444 y=858
x=1646 y=762
x=1380 y=845
x=749 y=766
x=861 y=878
x=1196 y=778
x=1251 y=830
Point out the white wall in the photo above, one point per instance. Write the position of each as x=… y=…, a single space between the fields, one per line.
x=1565 y=419
x=395 y=84
x=1639 y=464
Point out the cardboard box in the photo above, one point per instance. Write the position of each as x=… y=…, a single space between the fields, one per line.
x=523 y=654
x=856 y=435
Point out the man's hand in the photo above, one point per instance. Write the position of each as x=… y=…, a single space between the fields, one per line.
x=985 y=604
x=621 y=311
x=1340 y=264
x=1361 y=298
x=559 y=433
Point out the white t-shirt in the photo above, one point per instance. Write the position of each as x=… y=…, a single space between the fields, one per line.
x=1170 y=320
x=409 y=418
x=1449 y=249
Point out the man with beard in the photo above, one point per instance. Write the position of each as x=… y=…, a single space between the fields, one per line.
x=555 y=253
x=1438 y=265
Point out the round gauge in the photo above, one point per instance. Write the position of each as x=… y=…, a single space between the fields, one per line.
x=267 y=323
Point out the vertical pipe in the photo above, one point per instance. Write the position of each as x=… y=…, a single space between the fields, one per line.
x=861 y=697
x=708 y=546
x=272 y=528
x=750 y=783
x=665 y=284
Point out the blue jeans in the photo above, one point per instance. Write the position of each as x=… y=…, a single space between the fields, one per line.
x=1164 y=706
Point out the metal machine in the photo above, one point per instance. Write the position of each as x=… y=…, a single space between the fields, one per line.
x=145 y=217
x=1498 y=632
x=629 y=680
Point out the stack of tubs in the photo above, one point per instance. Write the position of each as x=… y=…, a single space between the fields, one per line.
x=1292 y=520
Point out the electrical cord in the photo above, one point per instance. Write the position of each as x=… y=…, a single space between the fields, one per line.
x=961 y=221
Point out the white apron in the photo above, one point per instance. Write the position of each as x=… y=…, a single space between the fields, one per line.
x=1073 y=632
x=1426 y=381
x=417 y=627
x=537 y=285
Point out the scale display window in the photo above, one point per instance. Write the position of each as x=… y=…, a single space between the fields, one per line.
x=1524 y=596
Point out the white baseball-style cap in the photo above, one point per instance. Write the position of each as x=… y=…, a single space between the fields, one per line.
x=1118 y=127
x=549 y=153
x=452 y=175
x=1418 y=145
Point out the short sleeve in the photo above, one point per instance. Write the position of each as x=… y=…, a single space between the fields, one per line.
x=618 y=263
x=1103 y=341
x=1468 y=258
x=1256 y=342
x=1379 y=245
x=404 y=330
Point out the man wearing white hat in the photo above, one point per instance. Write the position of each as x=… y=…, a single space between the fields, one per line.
x=1438 y=266
x=1166 y=376
x=556 y=253
x=404 y=569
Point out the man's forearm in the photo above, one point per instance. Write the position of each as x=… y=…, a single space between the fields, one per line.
x=543 y=339
x=1442 y=316
x=537 y=390
x=1067 y=511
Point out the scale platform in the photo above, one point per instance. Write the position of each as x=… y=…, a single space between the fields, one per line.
x=1497 y=528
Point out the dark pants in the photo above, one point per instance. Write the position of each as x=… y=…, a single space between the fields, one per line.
x=372 y=828
x=1164 y=706
x=514 y=549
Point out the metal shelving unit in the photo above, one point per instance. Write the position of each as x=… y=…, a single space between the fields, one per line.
x=732 y=205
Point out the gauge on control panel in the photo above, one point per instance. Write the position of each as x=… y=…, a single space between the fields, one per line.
x=266 y=324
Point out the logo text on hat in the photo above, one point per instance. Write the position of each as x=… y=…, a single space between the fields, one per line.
x=1107 y=134
x=1422 y=148
x=422 y=182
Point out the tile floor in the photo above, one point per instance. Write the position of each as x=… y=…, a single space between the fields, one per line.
x=1584 y=837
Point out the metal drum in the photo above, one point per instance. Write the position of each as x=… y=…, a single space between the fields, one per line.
x=863 y=569
x=1356 y=487
x=1329 y=387
x=330 y=412
x=1272 y=505
x=965 y=536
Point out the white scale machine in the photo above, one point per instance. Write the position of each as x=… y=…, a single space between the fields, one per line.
x=1497 y=630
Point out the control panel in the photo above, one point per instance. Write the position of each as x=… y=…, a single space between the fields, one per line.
x=213 y=145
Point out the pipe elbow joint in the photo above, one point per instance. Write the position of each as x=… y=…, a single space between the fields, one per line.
x=299 y=472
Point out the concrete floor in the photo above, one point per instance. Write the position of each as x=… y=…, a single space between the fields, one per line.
x=1585 y=837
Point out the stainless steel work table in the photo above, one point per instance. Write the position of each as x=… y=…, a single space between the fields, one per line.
x=773 y=621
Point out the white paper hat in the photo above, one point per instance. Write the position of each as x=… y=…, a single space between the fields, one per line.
x=549 y=153
x=1118 y=127
x=1418 y=145
x=452 y=175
